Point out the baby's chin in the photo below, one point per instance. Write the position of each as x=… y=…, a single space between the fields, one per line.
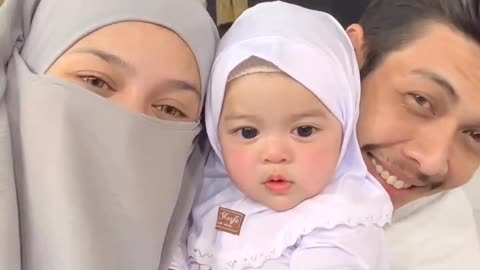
x=281 y=203
x=282 y=208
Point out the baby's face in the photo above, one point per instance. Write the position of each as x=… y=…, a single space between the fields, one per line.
x=279 y=142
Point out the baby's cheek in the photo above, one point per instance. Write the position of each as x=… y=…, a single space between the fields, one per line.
x=315 y=159
x=317 y=168
x=240 y=165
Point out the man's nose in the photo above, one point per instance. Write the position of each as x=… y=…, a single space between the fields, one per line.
x=432 y=146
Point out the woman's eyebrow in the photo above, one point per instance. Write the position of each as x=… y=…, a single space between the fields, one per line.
x=170 y=84
x=176 y=84
x=107 y=57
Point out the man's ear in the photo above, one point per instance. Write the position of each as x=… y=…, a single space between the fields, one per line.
x=357 y=37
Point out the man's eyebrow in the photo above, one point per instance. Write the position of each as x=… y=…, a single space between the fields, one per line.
x=439 y=80
x=107 y=57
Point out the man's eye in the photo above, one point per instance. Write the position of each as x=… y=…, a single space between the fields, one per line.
x=248 y=132
x=422 y=101
x=475 y=136
x=170 y=110
x=304 y=131
x=94 y=81
x=421 y=104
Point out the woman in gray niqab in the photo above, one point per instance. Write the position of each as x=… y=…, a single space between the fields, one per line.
x=91 y=185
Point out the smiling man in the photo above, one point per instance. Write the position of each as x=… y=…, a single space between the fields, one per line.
x=419 y=126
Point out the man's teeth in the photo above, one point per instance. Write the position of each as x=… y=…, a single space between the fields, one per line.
x=392 y=180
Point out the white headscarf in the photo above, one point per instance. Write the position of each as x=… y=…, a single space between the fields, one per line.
x=97 y=186
x=311 y=47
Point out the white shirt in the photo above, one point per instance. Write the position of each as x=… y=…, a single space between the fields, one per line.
x=435 y=233
x=472 y=189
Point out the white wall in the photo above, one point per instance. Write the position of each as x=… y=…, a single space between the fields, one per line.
x=204 y=2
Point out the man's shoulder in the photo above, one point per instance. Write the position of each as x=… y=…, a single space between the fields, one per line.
x=437 y=232
x=472 y=189
x=436 y=206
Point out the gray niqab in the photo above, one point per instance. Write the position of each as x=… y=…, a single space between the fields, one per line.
x=90 y=185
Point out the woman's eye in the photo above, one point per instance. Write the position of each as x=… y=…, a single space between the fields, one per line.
x=170 y=110
x=304 y=131
x=94 y=81
x=248 y=132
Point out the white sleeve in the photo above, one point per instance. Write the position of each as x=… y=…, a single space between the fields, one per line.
x=342 y=248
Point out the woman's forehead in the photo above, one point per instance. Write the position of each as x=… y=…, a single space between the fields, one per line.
x=53 y=32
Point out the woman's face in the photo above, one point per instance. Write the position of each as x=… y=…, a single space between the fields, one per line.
x=142 y=67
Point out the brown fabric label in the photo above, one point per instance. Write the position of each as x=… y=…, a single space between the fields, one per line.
x=229 y=221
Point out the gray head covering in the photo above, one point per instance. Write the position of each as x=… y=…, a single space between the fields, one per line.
x=95 y=186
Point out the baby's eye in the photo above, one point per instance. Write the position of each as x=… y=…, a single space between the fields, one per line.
x=305 y=131
x=248 y=132
x=170 y=110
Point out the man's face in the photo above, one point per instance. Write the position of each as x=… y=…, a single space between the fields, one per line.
x=419 y=126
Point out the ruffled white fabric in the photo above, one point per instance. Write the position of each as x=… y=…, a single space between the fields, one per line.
x=266 y=234
x=312 y=48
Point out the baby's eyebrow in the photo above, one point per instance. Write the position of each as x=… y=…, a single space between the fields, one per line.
x=240 y=116
x=309 y=114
